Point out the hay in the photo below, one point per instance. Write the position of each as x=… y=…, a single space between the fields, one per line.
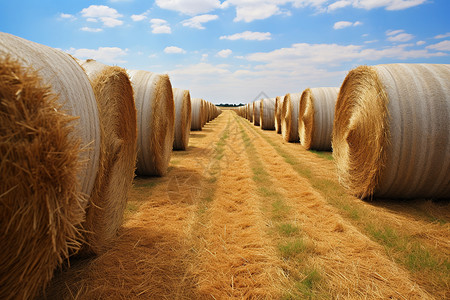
x=114 y=94
x=49 y=149
x=182 y=100
x=256 y=113
x=196 y=114
x=391 y=135
x=250 y=112
x=267 y=114
x=289 y=117
x=155 y=119
x=278 y=105
x=316 y=115
x=204 y=113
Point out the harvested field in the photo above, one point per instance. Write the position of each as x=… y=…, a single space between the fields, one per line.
x=243 y=214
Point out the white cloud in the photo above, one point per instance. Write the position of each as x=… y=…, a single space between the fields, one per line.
x=442 y=36
x=441 y=46
x=257 y=10
x=398 y=36
x=388 y=4
x=69 y=17
x=344 y=24
x=420 y=43
x=140 y=17
x=174 y=50
x=160 y=26
x=108 y=55
x=339 y=4
x=224 y=53
x=204 y=57
x=89 y=29
x=248 y=35
x=370 y=42
x=189 y=7
x=109 y=16
x=197 y=21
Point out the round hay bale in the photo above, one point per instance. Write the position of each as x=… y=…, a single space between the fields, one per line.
x=278 y=105
x=289 y=117
x=316 y=116
x=257 y=113
x=182 y=100
x=391 y=135
x=250 y=112
x=267 y=114
x=117 y=111
x=49 y=153
x=155 y=120
x=204 y=112
x=196 y=114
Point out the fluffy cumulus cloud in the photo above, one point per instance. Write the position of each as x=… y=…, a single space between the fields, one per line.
x=343 y=24
x=442 y=36
x=140 y=17
x=224 y=53
x=372 y=4
x=160 y=26
x=197 y=21
x=174 y=50
x=108 y=55
x=248 y=35
x=442 y=46
x=398 y=36
x=189 y=7
x=102 y=13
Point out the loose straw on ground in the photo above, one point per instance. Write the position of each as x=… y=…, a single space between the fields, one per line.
x=49 y=149
x=391 y=135
x=315 y=120
x=289 y=117
x=114 y=94
x=155 y=120
x=278 y=105
x=267 y=114
x=182 y=100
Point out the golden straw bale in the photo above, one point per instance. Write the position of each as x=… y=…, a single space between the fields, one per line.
x=256 y=112
x=182 y=99
x=155 y=120
x=49 y=149
x=315 y=119
x=117 y=111
x=267 y=114
x=250 y=112
x=204 y=112
x=196 y=114
x=289 y=117
x=278 y=105
x=391 y=135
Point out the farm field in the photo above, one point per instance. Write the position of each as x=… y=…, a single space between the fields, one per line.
x=244 y=214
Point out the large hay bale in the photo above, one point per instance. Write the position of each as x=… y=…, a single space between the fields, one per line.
x=267 y=114
x=49 y=153
x=117 y=111
x=256 y=113
x=289 y=117
x=204 y=112
x=155 y=120
x=316 y=116
x=391 y=135
x=182 y=100
x=278 y=105
x=250 y=112
x=196 y=114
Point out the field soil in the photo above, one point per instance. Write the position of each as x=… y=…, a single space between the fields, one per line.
x=244 y=215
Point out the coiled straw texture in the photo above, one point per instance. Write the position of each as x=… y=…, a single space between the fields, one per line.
x=289 y=117
x=278 y=108
x=316 y=116
x=117 y=111
x=49 y=149
x=155 y=120
x=182 y=100
x=196 y=114
x=391 y=136
x=257 y=113
x=267 y=114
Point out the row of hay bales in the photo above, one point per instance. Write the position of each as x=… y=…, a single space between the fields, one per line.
x=72 y=135
x=387 y=125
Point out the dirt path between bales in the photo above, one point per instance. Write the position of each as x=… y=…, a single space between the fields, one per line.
x=243 y=215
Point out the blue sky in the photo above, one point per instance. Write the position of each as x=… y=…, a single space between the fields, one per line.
x=230 y=51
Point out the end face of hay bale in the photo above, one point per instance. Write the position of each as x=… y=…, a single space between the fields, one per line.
x=39 y=182
x=278 y=107
x=114 y=94
x=182 y=99
x=289 y=117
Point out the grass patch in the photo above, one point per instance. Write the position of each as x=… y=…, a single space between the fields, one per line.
x=290 y=249
x=288 y=229
x=279 y=209
x=323 y=154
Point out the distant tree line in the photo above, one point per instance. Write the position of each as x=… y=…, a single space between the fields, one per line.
x=230 y=105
